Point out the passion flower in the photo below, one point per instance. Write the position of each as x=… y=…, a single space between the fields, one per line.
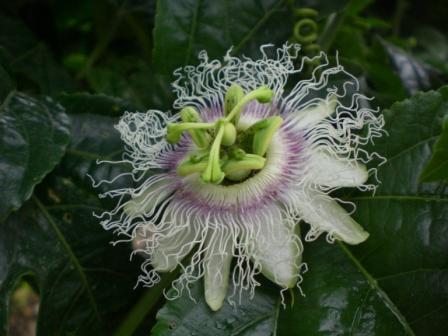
x=231 y=175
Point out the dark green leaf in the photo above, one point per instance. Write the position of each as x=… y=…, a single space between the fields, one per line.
x=133 y=80
x=437 y=167
x=324 y=8
x=396 y=282
x=254 y=317
x=86 y=285
x=407 y=251
x=30 y=61
x=413 y=125
x=373 y=63
x=432 y=48
x=354 y=7
x=96 y=139
x=184 y=28
x=6 y=84
x=100 y=104
x=412 y=73
x=33 y=137
x=55 y=240
x=341 y=298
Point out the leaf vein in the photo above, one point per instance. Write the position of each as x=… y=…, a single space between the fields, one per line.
x=380 y=292
x=71 y=256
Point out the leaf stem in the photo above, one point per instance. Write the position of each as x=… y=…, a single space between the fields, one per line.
x=144 y=306
x=71 y=255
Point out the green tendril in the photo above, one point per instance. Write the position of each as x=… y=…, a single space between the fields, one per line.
x=233 y=95
x=306 y=12
x=305 y=31
x=213 y=172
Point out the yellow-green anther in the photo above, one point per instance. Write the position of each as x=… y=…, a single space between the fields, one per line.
x=198 y=156
x=213 y=172
x=199 y=136
x=229 y=136
x=235 y=169
x=188 y=167
x=233 y=95
x=263 y=95
x=174 y=131
x=263 y=135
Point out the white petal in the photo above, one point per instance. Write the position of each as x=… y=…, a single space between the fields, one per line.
x=278 y=250
x=331 y=171
x=165 y=252
x=172 y=248
x=325 y=214
x=147 y=201
x=218 y=258
x=312 y=115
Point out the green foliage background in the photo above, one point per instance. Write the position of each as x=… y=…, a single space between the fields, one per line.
x=69 y=69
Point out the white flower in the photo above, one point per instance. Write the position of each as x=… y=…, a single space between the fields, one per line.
x=227 y=190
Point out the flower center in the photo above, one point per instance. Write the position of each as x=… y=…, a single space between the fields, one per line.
x=226 y=153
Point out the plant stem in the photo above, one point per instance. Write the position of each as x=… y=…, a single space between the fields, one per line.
x=334 y=22
x=97 y=52
x=144 y=306
x=399 y=11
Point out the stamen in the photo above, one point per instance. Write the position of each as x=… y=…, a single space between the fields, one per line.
x=213 y=172
x=191 y=166
x=199 y=136
x=263 y=95
x=210 y=160
x=238 y=169
x=233 y=95
x=174 y=131
x=264 y=134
